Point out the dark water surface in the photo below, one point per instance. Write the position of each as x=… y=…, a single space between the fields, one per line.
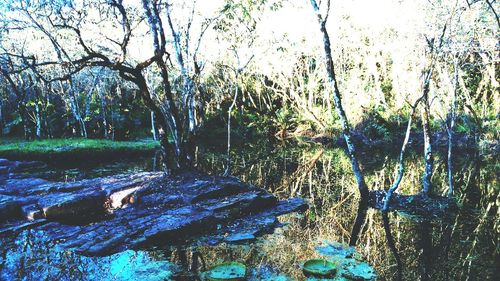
x=461 y=246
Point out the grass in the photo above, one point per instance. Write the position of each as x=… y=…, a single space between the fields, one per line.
x=73 y=147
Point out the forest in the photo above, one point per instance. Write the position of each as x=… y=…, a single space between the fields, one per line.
x=249 y=140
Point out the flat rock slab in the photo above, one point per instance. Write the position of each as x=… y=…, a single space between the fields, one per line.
x=103 y=216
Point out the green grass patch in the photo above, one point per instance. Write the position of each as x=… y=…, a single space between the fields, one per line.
x=74 y=147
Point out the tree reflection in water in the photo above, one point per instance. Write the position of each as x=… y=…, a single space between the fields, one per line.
x=459 y=246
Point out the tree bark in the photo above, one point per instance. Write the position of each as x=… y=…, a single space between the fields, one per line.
x=346 y=129
x=103 y=113
x=401 y=168
x=38 y=121
x=153 y=128
x=451 y=126
x=227 y=172
x=428 y=156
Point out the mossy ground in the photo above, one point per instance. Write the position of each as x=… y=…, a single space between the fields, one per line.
x=73 y=148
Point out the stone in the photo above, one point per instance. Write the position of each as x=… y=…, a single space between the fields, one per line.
x=103 y=216
x=72 y=207
x=240 y=237
x=10 y=208
x=32 y=212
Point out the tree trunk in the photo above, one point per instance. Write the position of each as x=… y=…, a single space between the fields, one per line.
x=38 y=121
x=24 y=120
x=153 y=128
x=451 y=127
x=346 y=129
x=401 y=168
x=112 y=124
x=227 y=172
x=428 y=157
x=103 y=113
x=74 y=107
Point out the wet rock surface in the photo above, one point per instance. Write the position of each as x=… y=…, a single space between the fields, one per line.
x=107 y=215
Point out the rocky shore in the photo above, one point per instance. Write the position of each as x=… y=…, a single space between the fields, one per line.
x=107 y=215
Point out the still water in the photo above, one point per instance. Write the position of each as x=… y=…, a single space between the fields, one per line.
x=463 y=245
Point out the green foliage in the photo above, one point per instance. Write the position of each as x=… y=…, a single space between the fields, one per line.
x=286 y=118
x=376 y=126
x=70 y=147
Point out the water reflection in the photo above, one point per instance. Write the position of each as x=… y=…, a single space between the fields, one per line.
x=392 y=245
x=358 y=222
x=461 y=246
x=30 y=256
x=190 y=263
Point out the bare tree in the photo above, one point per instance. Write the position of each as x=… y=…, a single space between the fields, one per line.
x=186 y=47
x=401 y=166
x=172 y=116
x=237 y=71
x=346 y=129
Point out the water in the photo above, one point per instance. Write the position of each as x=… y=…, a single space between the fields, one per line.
x=461 y=246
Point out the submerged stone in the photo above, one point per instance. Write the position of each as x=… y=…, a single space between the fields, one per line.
x=348 y=262
x=333 y=249
x=228 y=271
x=359 y=271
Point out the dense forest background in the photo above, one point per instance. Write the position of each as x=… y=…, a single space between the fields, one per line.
x=250 y=53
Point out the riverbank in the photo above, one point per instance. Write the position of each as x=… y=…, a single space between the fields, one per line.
x=103 y=216
x=73 y=149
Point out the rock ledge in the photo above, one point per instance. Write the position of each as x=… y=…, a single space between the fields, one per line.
x=107 y=215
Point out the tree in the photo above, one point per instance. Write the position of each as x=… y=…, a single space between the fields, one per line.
x=337 y=98
x=68 y=25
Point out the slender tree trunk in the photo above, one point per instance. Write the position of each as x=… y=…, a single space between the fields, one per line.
x=48 y=127
x=75 y=110
x=188 y=115
x=346 y=129
x=38 y=121
x=103 y=113
x=401 y=168
x=87 y=112
x=153 y=128
x=24 y=120
x=190 y=125
x=428 y=157
x=175 y=153
x=451 y=127
x=227 y=172
x=112 y=127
